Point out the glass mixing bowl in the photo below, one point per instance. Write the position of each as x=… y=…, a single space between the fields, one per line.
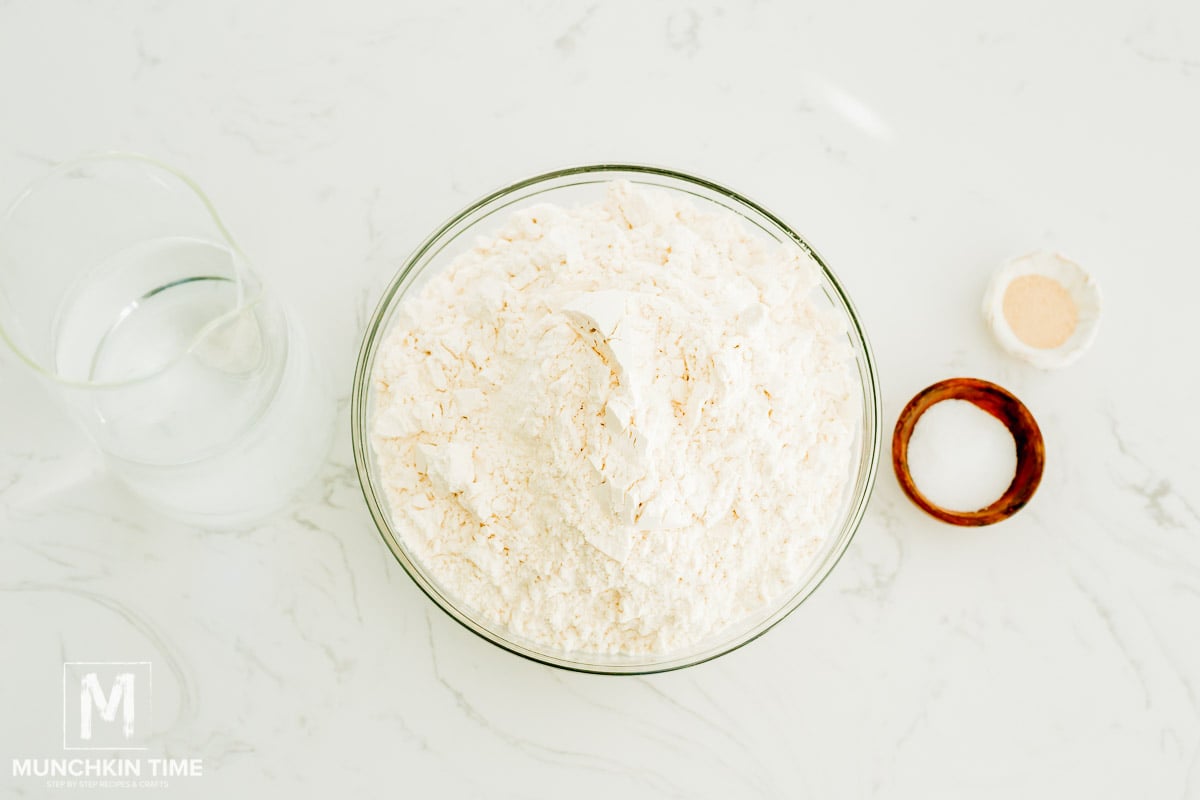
x=569 y=187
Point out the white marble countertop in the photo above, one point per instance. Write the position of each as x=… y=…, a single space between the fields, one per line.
x=917 y=145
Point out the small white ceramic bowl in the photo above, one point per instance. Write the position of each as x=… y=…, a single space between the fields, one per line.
x=1079 y=284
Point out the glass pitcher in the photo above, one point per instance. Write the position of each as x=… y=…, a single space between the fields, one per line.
x=120 y=284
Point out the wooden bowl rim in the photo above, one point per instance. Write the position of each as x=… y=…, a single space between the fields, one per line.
x=1004 y=406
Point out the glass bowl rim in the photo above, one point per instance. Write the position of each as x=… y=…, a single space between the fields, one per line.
x=359 y=430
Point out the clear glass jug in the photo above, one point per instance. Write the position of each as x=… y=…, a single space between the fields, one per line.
x=120 y=284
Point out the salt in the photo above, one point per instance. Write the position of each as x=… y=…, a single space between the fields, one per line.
x=960 y=456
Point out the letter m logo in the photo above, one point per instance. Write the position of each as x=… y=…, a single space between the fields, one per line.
x=92 y=695
x=106 y=705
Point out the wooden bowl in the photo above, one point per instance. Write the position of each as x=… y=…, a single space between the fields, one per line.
x=1001 y=404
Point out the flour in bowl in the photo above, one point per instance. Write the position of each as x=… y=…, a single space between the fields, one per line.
x=617 y=428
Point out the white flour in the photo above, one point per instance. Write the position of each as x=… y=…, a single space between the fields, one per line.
x=617 y=428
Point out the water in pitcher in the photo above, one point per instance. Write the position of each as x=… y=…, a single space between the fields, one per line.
x=209 y=401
